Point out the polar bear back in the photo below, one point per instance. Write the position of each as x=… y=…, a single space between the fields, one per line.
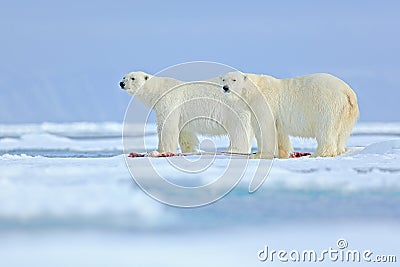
x=302 y=104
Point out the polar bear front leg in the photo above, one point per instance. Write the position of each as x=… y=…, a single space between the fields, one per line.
x=266 y=148
x=239 y=143
x=168 y=133
x=263 y=124
x=284 y=146
x=240 y=136
x=188 y=141
x=239 y=130
x=266 y=138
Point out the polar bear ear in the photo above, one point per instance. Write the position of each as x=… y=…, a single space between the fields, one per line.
x=244 y=77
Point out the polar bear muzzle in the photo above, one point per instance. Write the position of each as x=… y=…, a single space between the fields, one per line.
x=226 y=89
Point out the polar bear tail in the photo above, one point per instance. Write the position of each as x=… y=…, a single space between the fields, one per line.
x=353 y=105
x=349 y=116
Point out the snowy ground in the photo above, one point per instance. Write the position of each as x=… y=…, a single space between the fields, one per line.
x=67 y=199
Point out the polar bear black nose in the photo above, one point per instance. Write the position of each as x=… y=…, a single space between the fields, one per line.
x=122 y=84
x=226 y=88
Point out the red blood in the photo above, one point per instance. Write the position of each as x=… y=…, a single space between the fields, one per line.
x=151 y=154
x=299 y=155
x=167 y=154
x=135 y=155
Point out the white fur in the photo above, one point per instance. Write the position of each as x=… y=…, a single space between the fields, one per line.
x=319 y=106
x=184 y=110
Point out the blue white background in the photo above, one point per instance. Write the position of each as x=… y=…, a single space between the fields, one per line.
x=62 y=60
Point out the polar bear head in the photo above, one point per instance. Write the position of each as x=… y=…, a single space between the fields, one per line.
x=133 y=81
x=237 y=82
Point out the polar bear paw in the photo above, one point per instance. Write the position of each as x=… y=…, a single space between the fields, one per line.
x=259 y=155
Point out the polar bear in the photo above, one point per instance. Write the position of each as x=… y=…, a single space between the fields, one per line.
x=319 y=106
x=184 y=110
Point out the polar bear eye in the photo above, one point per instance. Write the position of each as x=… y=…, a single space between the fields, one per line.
x=132 y=79
x=146 y=77
x=223 y=80
x=234 y=80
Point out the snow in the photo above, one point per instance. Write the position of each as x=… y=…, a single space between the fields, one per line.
x=82 y=208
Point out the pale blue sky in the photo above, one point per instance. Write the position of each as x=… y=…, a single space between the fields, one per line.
x=62 y=60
